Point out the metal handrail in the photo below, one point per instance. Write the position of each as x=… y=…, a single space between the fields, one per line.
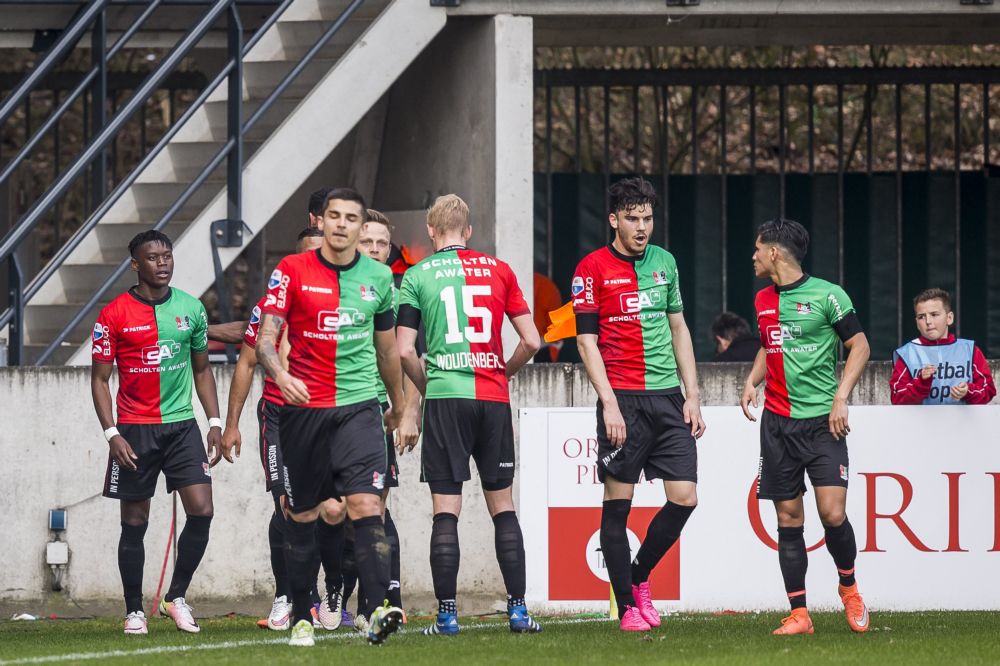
x=27 y=224
x=64 y=106
x=163 y=221
x=52 y=58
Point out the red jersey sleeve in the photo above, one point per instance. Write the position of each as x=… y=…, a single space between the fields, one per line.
x=516 y=305
x=253 y=327
x=584 y=289
x=280 y=289
x=103 y=342
x=981 y=388
x=904 y=389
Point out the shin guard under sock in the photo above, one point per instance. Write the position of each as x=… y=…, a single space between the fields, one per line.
x=663 y=532
x=190 y=549
x=131 y=557
x=615 y=548
x=794 y=561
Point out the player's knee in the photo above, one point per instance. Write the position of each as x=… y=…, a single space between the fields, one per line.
x=333 y=511
x=833 y=516
x=363 y=505
x=308 y=516
x=790 y=518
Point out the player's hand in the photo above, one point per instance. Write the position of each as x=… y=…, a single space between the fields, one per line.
x=692 y=416
x=408 y=432
x=214 y=445
x=231 y=439
x=614 y=424
x=839 y=427
x=293 y=389
x=122 y=453
x=959 y=391
x=390 y=419
x=928 y=371
x=748 y=398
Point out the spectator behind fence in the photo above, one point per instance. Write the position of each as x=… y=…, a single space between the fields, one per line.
x=937 y=368
x=734 y=341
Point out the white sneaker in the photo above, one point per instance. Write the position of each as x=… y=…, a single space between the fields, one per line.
x=302 y=634
x=329 y=612
x=181 y=613
x=135 y=623
x=280 y=618
x=361 y=624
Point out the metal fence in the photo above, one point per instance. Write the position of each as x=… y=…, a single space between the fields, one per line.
x=891 y=169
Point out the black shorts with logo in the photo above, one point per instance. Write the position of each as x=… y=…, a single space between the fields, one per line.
x=658 y=443
x=176 y=449
x=268 y=419
x=391 y=467
x=791 y=447
x=456 y=429
x=331 y=452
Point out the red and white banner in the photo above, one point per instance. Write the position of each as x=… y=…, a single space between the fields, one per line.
x=924 y=500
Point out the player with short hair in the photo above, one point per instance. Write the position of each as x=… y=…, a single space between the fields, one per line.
x=338 y=306
x=157 y=336
x=461 y=297
x=317 y=200
x=634 y=343
x=802 y=320
x=329 y=528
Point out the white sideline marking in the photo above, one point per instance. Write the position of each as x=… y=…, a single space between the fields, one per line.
x=164 y=649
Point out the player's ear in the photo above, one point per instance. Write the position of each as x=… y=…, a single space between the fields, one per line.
x=430 y=232
x=135 y=265
x=951 y=318
x=613 y=220
x=467 y=232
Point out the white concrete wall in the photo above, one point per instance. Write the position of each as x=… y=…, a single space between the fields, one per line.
x=54 y=456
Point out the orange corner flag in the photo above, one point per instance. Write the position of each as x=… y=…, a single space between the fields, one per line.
x=563 y=324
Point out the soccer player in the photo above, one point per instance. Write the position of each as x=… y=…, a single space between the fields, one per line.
x=804 y=428
x=376 y=242
x=336 y=302
x=329 y=528
x=634 y=342
x=156 y=335
x=461 y=296
x=938 y=368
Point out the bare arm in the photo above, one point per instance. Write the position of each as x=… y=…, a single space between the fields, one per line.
x=756 y=376
x=100 y=390
x=230 y=333
x=688 y=371
x=293 y=389
x=408 y=432
x=858 y=352
x=406 y=343
x=391 y=372
x=238 y=392
x=527 y=346
x=613 y=422
x=204 y=385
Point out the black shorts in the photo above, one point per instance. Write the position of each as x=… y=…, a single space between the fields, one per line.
x=268 y=420
x=456 y=429
x=331 y=452
x=391 y=468
x=176 y=449
x=657 y=441
x=790 y=447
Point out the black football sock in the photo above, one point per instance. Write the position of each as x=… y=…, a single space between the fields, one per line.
x=276 y=540
x=300 y=554
x=394 y=594
x=190 y=548
x=131 y=557
x=616 y=552
x=372 y=553
x=314 y=566
x=663 y=532
x=445 y=557
x=509 y=545
x=330 y=542
x=842 y=546
x=794 y=561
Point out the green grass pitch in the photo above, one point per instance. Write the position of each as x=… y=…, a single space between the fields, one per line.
x=895 y=638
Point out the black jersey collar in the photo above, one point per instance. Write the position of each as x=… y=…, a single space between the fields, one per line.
x=338 y=267
x=625 y=257
x=160 y=301
x=792 y=285
x=450 y=248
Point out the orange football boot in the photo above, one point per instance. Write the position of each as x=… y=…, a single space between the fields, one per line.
x=796 y=623
x=854 y=608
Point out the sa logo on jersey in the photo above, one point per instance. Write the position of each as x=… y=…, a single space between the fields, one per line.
x=577 y=286
x=162 y=350
x=368 y=293
x=331 y=321
x=275 y=279
x=636 y=301
x=778 y=334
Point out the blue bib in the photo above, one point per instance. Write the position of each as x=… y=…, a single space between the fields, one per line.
x=953 y=361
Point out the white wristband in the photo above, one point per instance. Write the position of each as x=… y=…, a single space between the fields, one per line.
x=215 y=422
x=111 y=432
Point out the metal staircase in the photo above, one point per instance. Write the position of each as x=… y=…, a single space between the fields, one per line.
x=277 y=109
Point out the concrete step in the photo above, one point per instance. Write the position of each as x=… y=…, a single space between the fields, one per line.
x=61 y=354
x=80 y=281
x=329 y=10
x=43 y=322
x=153 y=199
x=115 y=237
x=261 y=78
x=290 y=40
x=212 y=123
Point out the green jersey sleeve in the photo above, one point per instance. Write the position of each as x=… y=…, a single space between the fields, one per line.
x=199 y=328
x=838 y=304
x=675 y=303
x=409 y=292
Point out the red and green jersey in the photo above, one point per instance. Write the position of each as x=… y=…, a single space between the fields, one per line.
x=461 y=296
x=271 y=391
x=625 y=301
x=798 y=326
x=332 y=312
x=152 y=343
